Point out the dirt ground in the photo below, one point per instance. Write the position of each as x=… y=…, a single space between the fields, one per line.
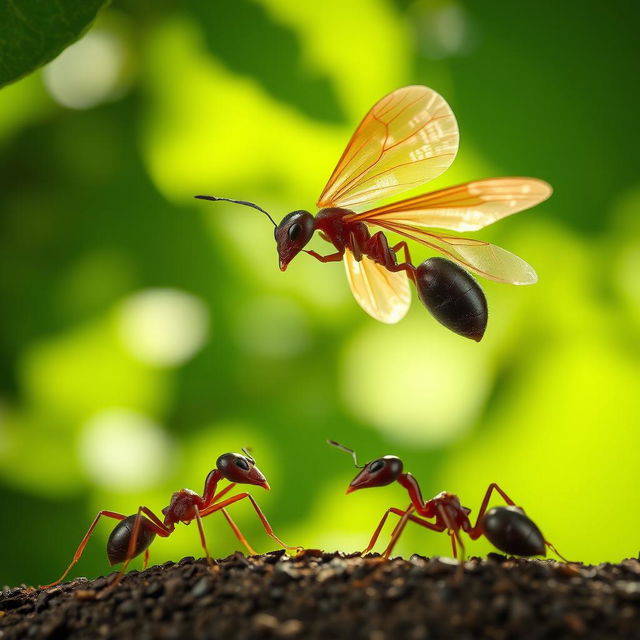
x=332 y=595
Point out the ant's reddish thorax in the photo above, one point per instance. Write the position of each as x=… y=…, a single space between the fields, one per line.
x=341 y=233
x=457 y=514
x=181 y=508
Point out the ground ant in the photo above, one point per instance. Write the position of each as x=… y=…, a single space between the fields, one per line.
x=507 y=528
x=135 y=533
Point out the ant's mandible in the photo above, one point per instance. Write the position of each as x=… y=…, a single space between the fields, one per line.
x=507 y=528
x=135 y=533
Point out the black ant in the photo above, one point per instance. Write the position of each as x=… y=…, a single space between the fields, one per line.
x=507 y=528
x=135 y=533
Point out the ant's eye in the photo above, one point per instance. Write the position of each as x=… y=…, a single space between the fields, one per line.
x=376 y=466
x=294 y=231
x=242 y=463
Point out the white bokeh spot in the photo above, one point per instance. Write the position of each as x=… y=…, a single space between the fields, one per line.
x=273 y=327
x=122 y=450
x=420 y=385
x=88 y=72
x=443 y=30
x=163 y=326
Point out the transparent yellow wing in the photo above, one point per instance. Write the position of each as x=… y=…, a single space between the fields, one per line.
x=465 y=207
x=483 y=258
x=383 y=294
x=406 y=139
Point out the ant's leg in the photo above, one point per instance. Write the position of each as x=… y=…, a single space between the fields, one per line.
x=376 y=533
x=397 y=531
x=455 y=533
x=454 y=548
x=263 y=519
x=145 y=562
x=132 y=545
x=238 y=533
x=80 y=549
x=332 y=257
x=408 y=263
x=214 y=497
x=232 y=524
x=203 y=540
x=164 y=530
x=548 y=544
x=476 y=530
x=434 y=526
x=154 y=523
x=356 y=249
x=463 y=551
x=405 y=248
x=222 y=493
x=409 y=509
x=386 y=255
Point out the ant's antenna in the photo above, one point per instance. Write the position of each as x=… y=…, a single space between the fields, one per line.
x=248 y=455
x=247 y=204
x=337 y=445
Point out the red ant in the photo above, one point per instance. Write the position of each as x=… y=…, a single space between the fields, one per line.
x=134 y=534
x=507 y=528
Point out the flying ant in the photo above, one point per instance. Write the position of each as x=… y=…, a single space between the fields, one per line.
x=507 y=528
x=409 y=137
x=135 y=533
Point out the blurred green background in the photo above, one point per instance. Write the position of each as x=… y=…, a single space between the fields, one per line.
x=143 y=333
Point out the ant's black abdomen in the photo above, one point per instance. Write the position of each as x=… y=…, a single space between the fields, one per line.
x=453 y=297
x=511 y=531
x=118 y=543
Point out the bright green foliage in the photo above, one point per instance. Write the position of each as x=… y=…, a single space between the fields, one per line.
x=33 y=32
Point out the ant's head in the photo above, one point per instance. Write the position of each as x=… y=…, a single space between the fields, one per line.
x=292 y=235
x=377 y=473
x=236 y=467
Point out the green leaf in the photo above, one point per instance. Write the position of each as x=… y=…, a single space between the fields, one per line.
x=33 y=32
